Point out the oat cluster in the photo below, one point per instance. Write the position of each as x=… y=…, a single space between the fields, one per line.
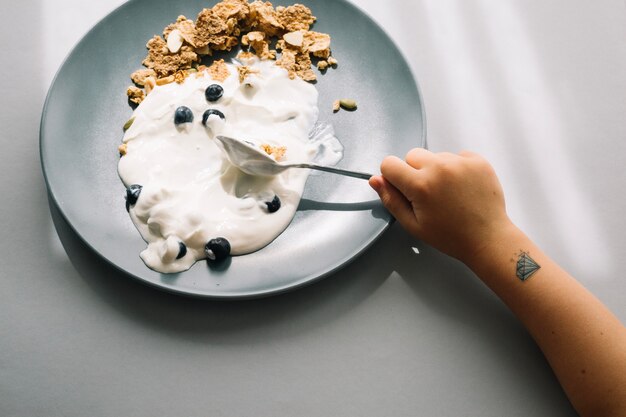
x=177 y=53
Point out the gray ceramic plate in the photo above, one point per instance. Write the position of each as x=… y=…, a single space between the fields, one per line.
x=338 y=217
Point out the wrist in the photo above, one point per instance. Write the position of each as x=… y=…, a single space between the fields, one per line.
x=497 y=237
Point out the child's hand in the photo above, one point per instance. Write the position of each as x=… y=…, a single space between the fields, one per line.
x=452 y=202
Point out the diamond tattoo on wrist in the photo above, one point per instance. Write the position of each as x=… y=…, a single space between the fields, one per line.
x=526 y=266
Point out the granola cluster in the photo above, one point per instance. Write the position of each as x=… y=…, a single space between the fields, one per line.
x=177 y=53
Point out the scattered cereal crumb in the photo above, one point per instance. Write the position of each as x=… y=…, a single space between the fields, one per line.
x=186 y=29
x=165 y=63
x=244 y=71
x=215 y=32
x=322 y=65
x=297 y=63
x=224 y=26
x=260 y=45
x=336 y=106
x=218 y=70
x=180 y=76
x=122 y=149
x=265 y=18
x=135 y=94
x=139 y=76
x=245 y=56
x=277 y=152
x=295 y=17
x=317 y=44
x=228 y=9
x=296 y=53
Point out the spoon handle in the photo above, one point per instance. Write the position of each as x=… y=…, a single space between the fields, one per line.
x=355 y=174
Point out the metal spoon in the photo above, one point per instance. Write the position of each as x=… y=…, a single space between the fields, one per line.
x=254 y=161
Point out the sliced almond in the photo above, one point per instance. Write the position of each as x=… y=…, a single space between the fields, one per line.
x=174 y=41
x=294 y=38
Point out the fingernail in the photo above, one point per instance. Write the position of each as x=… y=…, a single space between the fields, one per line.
x=376 y=183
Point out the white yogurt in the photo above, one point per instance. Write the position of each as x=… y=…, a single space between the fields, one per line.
x=191 y=193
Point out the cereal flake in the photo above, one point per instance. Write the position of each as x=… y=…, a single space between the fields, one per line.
x=165 y=63
x=257 y=41
x=264 y=18
x=214 y=32
x=317 y=43
x=228 y=9
x=186 y=28
x=135 y=94
x=295 y=17
x=220 y=28
x=322 y=65
x=218 y=70
x=245 y=57
x=297 y=63
x=180 y=76
x=245 y=71
x=139 y=76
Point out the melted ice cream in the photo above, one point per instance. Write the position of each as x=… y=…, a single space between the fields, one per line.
x=191 y=193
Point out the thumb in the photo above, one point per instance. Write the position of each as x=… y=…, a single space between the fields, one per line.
x=395 y=202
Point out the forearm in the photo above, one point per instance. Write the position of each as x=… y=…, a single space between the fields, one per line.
x=584 y=342
x=455 y=203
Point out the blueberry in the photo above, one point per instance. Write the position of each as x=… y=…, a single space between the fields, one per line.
x=217 y=249
x=182 y=250
x=214 y=92
x=274 y=205
x=183 y=115
x=132 y=194
x=210 y=112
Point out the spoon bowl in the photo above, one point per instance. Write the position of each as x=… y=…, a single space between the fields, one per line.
x=253 y=161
